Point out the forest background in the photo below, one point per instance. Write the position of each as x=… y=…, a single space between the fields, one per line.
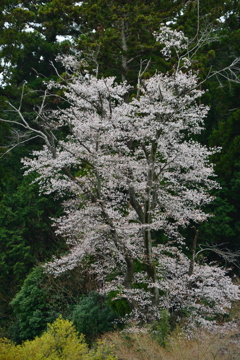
x=33 y=33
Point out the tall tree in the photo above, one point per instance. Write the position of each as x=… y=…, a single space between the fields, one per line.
x=118 y=35
x=30 y=31
x=129 y=169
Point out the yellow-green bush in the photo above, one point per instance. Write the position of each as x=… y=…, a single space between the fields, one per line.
x=60 y=342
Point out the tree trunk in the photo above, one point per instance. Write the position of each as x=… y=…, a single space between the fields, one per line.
x=191 y=266
x=124 y=50
x=128 y=279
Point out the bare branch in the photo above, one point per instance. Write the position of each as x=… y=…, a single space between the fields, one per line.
x=17 y=144
x=141 y=73
x=22 y=94
x=229 y=256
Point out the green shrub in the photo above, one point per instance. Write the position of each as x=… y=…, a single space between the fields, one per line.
x=161 y=329
x=120 y=306
x=32 y=308
x=92 y=316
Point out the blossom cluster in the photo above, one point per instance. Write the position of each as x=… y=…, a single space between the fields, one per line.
x=126 y=170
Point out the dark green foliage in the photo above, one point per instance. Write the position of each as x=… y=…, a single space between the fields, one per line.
x=92 y=316
x=40 y=300
x=224 y=227
x=30 y=52
x=26 y=236
x=219 y=227
x=222 y=126
x=120 y=306
x=32 y=308
x=227 y=135
x=161 y=329
x=119 y=34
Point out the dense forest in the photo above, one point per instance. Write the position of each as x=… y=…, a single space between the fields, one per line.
x=112 y=40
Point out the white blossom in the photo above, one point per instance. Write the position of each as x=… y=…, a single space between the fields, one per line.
x=127 y=169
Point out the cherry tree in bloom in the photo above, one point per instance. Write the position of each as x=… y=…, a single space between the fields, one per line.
x=128 y=170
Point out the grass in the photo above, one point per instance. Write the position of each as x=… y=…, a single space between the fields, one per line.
x=204 y=346
x=223 y=344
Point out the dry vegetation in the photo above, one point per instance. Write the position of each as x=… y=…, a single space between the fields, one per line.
x=219 y=345
x=204 y=346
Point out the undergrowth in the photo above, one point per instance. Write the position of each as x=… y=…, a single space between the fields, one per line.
x=202 y=346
